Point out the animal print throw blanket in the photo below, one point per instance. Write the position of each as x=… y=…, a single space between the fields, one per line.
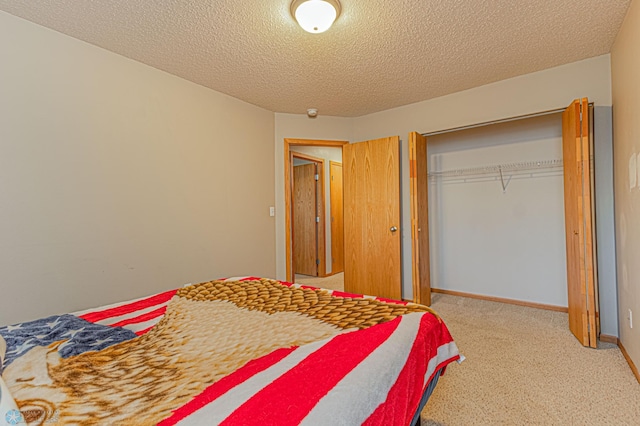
x=234 y=352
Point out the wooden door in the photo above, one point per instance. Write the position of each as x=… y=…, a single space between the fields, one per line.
x=581 y=279
x=337 y=228
x=305 y=243
x=419 y=187
x=372 y=263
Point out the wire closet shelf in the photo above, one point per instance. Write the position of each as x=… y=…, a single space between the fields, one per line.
x=501 y=172
x=510 y=168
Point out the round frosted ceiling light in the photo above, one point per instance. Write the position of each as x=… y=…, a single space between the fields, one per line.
x=315 y=16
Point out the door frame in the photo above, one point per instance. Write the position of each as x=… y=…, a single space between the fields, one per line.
x=288 y=194
x=321 y=253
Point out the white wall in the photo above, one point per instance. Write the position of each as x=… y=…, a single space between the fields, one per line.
x=119 y=180
x=504 y=243
x=327 y=154
x=298 y=126
x=625 y=64
x=540 y=91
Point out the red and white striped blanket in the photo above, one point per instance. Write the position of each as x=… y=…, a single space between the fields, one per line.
x=233 y=352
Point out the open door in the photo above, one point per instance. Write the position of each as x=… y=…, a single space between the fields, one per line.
x=305 y=233
x=290 y=151
x=371 y=173
x=419 y=187
x=579 y=220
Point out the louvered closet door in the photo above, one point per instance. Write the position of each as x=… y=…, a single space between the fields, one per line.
x=579 y=228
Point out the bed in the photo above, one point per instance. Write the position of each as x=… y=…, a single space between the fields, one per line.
x=236 y=351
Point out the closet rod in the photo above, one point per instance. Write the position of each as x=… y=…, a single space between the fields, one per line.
x=502 y=120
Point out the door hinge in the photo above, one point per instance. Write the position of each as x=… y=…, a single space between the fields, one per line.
x=316 y=177
x=317 y=219
x=581 y=113
x=317 y=261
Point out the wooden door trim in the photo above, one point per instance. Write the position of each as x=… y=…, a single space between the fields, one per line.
x=320 y=205
x=288 y=182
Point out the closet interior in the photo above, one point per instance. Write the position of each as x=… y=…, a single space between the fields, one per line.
x=511 y=210
x=496 y=214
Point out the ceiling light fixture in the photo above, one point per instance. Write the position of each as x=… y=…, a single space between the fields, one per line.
x=315 y=16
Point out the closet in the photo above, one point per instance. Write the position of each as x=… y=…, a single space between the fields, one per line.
x=505 y=210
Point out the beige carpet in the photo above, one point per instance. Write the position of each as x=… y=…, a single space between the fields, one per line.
x=333 y=282
x=524 y=367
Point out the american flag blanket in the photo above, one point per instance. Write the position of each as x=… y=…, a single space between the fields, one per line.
x=229 y=352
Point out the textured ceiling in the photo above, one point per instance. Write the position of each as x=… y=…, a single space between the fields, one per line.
x=378 y=55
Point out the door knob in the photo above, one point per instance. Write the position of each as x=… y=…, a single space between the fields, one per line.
x=393 y=229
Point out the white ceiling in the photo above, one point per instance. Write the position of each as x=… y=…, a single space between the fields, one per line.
x=378 y=55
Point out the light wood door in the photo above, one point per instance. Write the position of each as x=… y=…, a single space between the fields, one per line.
x=371 y=172
x=581 y=279
x=419 y=187
x=337 y=222
x=305 y=244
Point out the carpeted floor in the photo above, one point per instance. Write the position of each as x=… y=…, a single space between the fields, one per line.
x=524 y=367
x=333 y=282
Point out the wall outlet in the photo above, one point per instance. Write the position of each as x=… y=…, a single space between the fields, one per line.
x=272 y=211
x=630 y=318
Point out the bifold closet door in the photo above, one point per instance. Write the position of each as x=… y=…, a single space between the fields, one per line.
x=578 y=204
x=371 y=174
x=419 y=187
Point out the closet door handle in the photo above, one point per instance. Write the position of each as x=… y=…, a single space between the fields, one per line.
x=393 y=229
